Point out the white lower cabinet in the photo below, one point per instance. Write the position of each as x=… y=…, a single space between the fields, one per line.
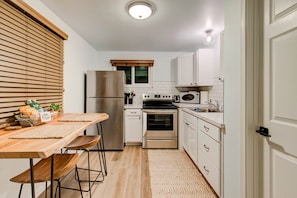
x=209 y=152
x=191 y=136
x=133 y=126
x=210 y=172
x=203 y=143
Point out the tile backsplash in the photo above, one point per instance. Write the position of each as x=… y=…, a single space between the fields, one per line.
x=216 y=92
x=156 y=87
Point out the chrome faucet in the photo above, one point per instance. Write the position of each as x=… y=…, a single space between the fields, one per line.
x=216 y=106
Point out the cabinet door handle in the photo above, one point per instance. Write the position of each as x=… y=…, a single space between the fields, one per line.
x=206 y=148
x=133 y=112
x=207 y=171
x=206 y=128
x=187 y=123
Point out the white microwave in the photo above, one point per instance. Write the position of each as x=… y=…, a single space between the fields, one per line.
x=189 y=97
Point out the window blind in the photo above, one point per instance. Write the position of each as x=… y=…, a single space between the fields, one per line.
x=31 y=62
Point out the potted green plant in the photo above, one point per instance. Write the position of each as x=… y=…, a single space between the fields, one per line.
x=54 y=108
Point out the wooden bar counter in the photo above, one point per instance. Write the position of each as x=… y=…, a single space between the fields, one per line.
x=45 y=140
x=12 y=145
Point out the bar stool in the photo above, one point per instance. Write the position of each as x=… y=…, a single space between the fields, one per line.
x=63 y=164
x=84 y=143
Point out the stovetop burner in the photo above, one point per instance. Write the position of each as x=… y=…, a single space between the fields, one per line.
x=157 y=101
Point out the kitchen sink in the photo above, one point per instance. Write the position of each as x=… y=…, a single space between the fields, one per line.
x=206 y=110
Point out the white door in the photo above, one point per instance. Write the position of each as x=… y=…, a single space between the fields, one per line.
x=280 y=98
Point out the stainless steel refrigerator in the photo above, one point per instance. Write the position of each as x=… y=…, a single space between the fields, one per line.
x=105 y=94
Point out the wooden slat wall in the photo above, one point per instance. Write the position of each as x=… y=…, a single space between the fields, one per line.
x=31 y=62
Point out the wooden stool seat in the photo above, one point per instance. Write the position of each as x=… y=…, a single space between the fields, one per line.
x=83 y=142
x=63 y=163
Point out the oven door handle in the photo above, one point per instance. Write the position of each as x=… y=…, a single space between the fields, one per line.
x=155 y=111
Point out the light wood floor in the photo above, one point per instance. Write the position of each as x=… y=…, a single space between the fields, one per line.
x=128 y=175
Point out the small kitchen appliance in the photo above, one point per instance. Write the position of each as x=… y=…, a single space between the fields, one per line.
x=190 y=97
x=203 y=97
x=176 y=98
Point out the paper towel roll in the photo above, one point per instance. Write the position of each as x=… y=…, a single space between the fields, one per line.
x=203 y=97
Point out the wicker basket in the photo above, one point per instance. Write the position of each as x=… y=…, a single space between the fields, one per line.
x=28 y=121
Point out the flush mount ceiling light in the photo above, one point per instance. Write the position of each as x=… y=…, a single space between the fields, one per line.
x=209 y=38
x=140 y=9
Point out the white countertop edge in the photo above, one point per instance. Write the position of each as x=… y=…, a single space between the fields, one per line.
x=183 y=105
x=213 y=118
x=132 y=106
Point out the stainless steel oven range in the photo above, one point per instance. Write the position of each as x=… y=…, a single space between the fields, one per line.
x=159 y=121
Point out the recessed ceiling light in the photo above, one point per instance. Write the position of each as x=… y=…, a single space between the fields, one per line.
x=140 y=9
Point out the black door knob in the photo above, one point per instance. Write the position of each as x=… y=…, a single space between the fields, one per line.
x=263 y=131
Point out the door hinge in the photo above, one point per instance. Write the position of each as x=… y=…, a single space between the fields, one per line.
x=263 y=131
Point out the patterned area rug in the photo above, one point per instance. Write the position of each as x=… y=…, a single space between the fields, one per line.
x=173 y=174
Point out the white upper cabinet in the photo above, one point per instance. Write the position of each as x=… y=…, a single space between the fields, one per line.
x=203 y=67
x=185 y=66
x=196 y=69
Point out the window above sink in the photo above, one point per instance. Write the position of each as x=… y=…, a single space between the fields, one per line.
x=136 y=75
x=138 y=72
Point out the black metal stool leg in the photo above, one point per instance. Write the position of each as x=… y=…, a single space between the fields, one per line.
x=45 y=189
x=76 y=175
x=20 y=192
x=102 y=149
x=89 y=173
x=100 y=162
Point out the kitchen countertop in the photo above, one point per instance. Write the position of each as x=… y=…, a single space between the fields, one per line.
x=215 y=118
x=186 y=105
x=133 y=106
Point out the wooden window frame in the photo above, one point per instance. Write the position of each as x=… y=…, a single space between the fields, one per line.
x=135 y=63
x=33 y=14
x=132 y=63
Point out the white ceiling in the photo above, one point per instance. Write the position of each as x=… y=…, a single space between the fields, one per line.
x=176 y=25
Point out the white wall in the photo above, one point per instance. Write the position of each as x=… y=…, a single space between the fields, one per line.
x=163 y=75
x=216 y=92
x=233 y=97
x=78 y=55
x=162 y=69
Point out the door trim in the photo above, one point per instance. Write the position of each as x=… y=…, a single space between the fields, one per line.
x=253 y=117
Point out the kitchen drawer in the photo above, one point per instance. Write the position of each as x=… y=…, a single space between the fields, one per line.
x=133 y=112
x=209 y=129
x=191 y=119
x=209 y=148
x=211 y=173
